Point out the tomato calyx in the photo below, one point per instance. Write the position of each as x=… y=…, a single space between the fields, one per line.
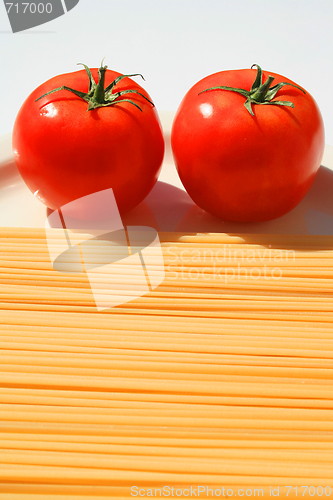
x=260 y=93
x=98 y=95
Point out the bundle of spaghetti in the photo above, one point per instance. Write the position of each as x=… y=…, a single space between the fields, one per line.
x=219 y=377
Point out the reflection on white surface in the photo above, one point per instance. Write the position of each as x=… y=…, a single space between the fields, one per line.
x=169 y=208
x=206 y=110
x=5 y=148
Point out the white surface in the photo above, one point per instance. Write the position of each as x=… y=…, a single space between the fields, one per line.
x=169 y=208
x=174 y=43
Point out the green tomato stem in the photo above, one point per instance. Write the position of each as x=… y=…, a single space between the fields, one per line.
x=98 y=96
x=260 y=93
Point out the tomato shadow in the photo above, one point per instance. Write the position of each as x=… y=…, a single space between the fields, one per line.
x=164 y=208
x=170 y=209
x=313 y=216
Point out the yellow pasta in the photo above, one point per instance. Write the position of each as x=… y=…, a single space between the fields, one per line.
x=222 y=376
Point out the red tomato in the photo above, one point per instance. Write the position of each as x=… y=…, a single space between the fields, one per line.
x=253 y=162
x=65 y=152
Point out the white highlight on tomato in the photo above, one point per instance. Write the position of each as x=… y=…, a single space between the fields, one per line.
x=49 y=110
x=206 y=110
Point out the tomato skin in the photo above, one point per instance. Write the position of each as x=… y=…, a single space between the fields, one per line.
x=65 y=152
x=240 y=167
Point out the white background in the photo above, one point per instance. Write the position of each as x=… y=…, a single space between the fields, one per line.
x=174 y=43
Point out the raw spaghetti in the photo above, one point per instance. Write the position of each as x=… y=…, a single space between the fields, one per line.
x=221 y=376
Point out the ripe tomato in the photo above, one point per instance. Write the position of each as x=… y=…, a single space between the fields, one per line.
x=247 y=150
x=65 y=151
